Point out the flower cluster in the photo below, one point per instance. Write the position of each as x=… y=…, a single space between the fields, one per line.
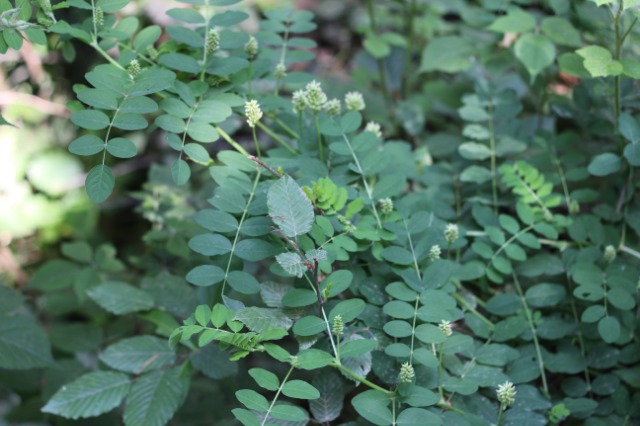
x=298 y=101
x=386 y=205
x=374 y=128
x=253 y=112
x=338 y=325
x=445 y=327
x=251 y=48
x=435 y=252
x=314 y=96
x=451 y=233
x=506 y=394
x=333 y=107
x=406 y=373
x=354 y=101
x=134 y=68
x=213 y=41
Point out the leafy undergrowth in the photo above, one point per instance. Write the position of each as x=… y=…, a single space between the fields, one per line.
x=458 y=246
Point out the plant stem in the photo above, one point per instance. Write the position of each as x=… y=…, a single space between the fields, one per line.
x=411 y=10
x=617 y=79
x=362 y=380
x=320 y=147
x=275 y=398
x=255 y=141
x=382 y=74
x=532 y=326
x=501 y=411
x=471 y=309
x=231 y=141
x=276 y=138
x=494 y=176
x=440 y=390
x=413 y=328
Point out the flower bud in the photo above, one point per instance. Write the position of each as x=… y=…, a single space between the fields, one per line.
x=445 y=327
x=134 y=68
x=281 y=71
x=294 y=361
x=354 y=101
x=574 y=207
x=298 y=101
x=374 y=128
x=609 y=253
x=213 y=41
x=338 y=325
x=152 y=53
x=98 y=17
x=435 y=252
x=314 y=98
x=253 y=112
x=451 y=233
x=333 y=107
x=386 y=205
x=406 y=372
x=506 y=394
x=251 y=48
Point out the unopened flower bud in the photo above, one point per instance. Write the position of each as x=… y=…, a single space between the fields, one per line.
x=548 y=216
x=506 y=394
x=294 y=361
x=435 y=252
x=609 y=253
x=281 y=71
x=451 y=233
x=333 y=107
x=134 y=68
x=213 y=41
x=574 y=207
x=253 y=112
x=152 y=53
x=251 y=48
x=406 y=372
x=338 y=325
x=98 y=17
x=445 y=327
x=386 y=205
x=374 y=128
x=354 y=101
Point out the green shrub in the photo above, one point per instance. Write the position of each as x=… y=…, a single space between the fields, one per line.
x=464 y=255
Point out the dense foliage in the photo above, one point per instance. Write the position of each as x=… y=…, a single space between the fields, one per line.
x=456 y=247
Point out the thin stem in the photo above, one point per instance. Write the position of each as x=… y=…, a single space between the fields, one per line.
x=250 y=78
x=231 y=141
x=502 y=408
x=494 y=177
x=205 y=53
x=235 y=238
x=276 y=138
x=408 y=53
x=320 y=147
x=367 y=188
x=275 y=398
x=382 y=74
x=413 y=328
x=255 y=141
x=440 y=389
x=471 y=309
x=532 y=326
x=360 y=379
x=286 y=128
x=617 y=78
x=630 y=251
x=413 y=252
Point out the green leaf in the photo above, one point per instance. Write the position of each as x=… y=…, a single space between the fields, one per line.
x=152 y=80
x=599 y=62
x=632 y=154
x=300 y=390
x=292 y=263
x=262 y=320
x=449 y=54
x=121 y=148
x=120 y=298
x=154 y=398
x=265 y=379
x=536 y=52
x=289 y=207
x=197 y=153
x=86 y=145
x=373 y=405
x=309 y=326
x=561 y=31
x=515 y=21
x=205 y=275
x=348 y=309
x=312 y=359
x=474 y=151
x=252 y=400
x=138 y=354
x=331 y=401
x=609 y=329
x=291 y=413
x=90 y=119
x=604 y=164
x=418 y=417
x=299 y=297
x=90 y=395
x=99 y=183
x=98 y=98
x=210 y=244
x=355 y=348
x=629 y=127
x=23 y=345
x=111 y=6
x=180 y=172
x=376 y=46
x=545 y=295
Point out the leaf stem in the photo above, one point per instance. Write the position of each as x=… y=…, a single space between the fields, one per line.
x=231 y=141
x=320 y=147
x=532 y=326
x=255 y=141
x=360 y=379
x=275 y=398
x=276 y=138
